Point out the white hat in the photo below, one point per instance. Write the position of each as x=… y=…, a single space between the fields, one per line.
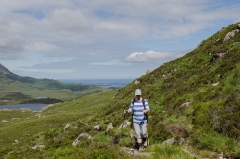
x=138 y=92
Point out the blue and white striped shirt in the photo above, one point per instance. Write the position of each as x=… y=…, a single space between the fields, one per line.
x=137 y=108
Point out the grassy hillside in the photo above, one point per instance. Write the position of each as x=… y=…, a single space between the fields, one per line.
x=195 y=99
x=18 y=89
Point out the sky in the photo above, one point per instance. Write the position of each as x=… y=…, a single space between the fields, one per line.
x=105 y=39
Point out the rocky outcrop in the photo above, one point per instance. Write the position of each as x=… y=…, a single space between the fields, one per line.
x=230 y=35
x=133 y=152
x=148 y=71
x=110 y=126
x=124 y=124
x=38 y=147
x=97 y=127
x=67 y=126
x=76 y=141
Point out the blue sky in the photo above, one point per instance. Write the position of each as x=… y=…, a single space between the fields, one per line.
x=86 y=39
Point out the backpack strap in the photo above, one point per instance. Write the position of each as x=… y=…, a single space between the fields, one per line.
x=143 y=102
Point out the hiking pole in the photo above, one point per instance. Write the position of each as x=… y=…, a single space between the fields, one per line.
x=147 y=139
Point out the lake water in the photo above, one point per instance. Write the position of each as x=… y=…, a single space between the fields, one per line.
x=106 y=83
x=34 y=107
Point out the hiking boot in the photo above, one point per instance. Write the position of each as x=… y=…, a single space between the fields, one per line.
x=141 y=148
x=145 y=144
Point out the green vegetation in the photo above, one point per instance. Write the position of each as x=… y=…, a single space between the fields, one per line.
x=194 y=99
x=16 y=89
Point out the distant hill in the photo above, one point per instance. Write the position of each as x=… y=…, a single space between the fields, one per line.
x=43 y=83
x=15 y=87
x=4 y=70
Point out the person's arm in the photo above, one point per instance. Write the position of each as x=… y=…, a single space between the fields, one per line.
x=130 y=108
x=147 y=109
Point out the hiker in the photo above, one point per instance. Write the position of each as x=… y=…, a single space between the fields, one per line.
x=140 y=108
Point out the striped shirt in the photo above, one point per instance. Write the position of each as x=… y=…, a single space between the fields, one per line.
x=137 y=108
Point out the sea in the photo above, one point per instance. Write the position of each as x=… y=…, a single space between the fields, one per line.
x=106 y=83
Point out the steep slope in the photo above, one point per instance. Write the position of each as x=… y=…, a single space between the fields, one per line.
x=194 y=97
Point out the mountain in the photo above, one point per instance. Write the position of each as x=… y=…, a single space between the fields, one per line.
x=4 y=70
x=195 y=112
x=43 y=83
x=17 y=89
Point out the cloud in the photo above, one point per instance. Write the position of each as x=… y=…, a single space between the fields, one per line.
x=110 y=63
x=151 y=56
x=67 y=20
x=40 y=47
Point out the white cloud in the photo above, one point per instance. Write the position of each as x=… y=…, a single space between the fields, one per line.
x=67 y=20
x=40 y=47
x=151 y=56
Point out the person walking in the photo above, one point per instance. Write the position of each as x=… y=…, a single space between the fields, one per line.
x=140 y=108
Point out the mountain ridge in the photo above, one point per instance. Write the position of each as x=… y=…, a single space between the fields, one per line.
x=17 y=89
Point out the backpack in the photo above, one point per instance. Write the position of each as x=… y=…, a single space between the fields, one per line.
x=145 y=115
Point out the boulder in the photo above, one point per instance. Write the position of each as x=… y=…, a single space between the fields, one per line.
x=148 y=71
x=110 y=126
x=67 y=126
x=97 y=127
x=76 y=141
x=215 y=84
x=124 y=124
x=37 y=147
x=173 y=140
x=230 y=35
x=136 y=82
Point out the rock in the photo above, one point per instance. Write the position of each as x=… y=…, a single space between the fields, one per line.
x=124 y=124
x=148 y=71
x=136 y=82
x=67 y=126
x=16 y=141
x=97 y=127
x=169 y=141
x=217 y=55
x=110 y=126
x=173 y=141
x=38 y=115
x=4 y=121
x=85 y=135
x=76 y=141
x=215 y=84
x=37 y=146
x=186 y=104
x=230 y=35
x=133 y=152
